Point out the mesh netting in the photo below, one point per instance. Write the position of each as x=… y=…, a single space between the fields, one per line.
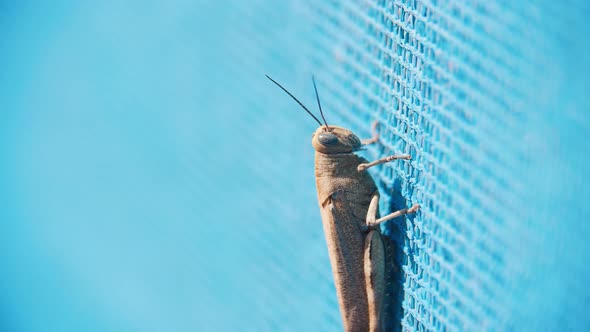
x=152 y=179
x=475 y=92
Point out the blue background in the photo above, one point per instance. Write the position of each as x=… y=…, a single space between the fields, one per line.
x=152 y=179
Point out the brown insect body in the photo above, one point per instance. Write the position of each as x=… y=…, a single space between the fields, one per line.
x=356 y=251
x=348 y=200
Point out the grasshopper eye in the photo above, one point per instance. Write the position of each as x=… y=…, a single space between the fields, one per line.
x=327 y=139
x=354 y=140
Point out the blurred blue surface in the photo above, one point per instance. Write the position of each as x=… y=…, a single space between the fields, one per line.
x=152 y=179
x=142 y=150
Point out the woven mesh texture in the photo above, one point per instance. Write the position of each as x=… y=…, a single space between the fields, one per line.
x=152 y=179
x=488 y=99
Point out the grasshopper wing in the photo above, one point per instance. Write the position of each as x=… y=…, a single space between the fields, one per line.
x=345 y=240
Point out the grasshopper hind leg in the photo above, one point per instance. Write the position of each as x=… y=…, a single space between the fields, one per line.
x=375 y=279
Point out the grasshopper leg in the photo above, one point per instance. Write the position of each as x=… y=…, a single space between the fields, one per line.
x=375 y=283
x=372 y=210
x=375 y=137
x=396 y=214
x=374 y=267
x=372 y=220
x=374 y=262
x=362 y=167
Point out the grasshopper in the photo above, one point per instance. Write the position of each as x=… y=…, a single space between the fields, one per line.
x=349 y=200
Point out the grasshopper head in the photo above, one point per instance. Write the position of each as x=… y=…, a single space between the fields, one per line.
x=335 y=140
x=327 y=139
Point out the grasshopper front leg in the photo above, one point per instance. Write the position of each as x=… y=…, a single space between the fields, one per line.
x=375 y=137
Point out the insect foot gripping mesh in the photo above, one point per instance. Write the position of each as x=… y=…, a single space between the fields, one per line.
x=348 y=200
x=489 y=98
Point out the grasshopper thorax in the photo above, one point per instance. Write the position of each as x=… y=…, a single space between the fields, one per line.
x=334 y=140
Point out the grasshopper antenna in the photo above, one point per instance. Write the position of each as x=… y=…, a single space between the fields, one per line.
x=319 y=105
x=297 y=100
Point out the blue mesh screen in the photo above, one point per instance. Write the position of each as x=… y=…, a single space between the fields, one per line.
x=152 y=179
x=488 y=99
